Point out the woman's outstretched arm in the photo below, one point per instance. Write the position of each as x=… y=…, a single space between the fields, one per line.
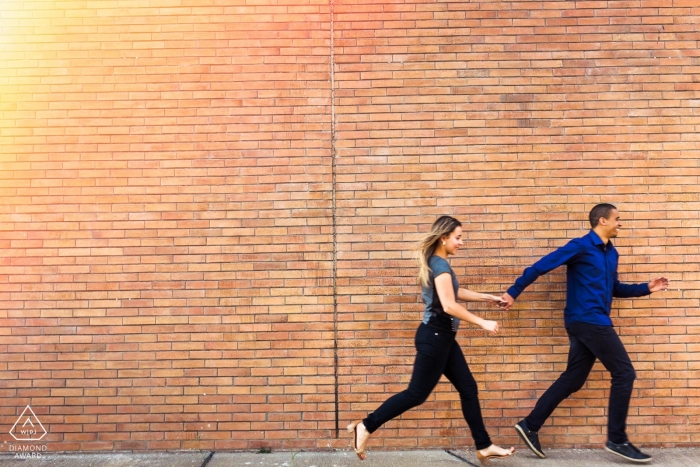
x=471 y=296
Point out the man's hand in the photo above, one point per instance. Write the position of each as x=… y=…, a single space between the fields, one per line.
x=658 y=284
x=508 y=300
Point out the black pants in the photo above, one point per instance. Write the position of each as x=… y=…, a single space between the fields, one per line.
x=438 y=354
x=588 y=342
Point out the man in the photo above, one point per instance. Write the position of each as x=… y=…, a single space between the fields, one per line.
x=591 y=284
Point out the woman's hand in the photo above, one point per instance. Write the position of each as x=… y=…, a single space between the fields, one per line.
x=490 y=326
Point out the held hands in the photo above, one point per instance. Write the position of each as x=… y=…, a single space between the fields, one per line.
x=494 y=299
x=658 y=284
x=506 y=301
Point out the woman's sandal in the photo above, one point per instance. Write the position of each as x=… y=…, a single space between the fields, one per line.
x=485 y=458
x=359 y=449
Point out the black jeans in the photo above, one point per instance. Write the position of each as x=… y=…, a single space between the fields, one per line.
x=588 y=342
x=438 y=354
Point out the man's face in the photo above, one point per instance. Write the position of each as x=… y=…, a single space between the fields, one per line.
x=612 y=224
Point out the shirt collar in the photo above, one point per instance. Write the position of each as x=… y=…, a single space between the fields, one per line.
x=597 y=241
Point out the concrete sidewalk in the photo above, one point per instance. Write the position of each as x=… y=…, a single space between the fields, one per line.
x=679 y=457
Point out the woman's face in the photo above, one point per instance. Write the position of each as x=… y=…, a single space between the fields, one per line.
x=453 y=242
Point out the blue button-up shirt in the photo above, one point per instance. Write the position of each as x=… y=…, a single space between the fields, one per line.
x=591 y=279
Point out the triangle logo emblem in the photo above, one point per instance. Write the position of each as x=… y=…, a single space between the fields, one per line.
x=28 y=427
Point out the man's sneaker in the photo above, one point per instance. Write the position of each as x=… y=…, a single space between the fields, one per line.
x=530 y=437
x=628 y=451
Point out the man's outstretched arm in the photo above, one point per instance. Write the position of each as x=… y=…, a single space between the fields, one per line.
x=552 y=261
x=622 y=290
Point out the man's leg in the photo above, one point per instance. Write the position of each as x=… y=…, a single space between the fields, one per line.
x=605 y=344
x=579 y=365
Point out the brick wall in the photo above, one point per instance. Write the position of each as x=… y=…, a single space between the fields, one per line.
x=188 y=242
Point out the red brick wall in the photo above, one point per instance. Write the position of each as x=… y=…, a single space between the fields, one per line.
x=168 y=196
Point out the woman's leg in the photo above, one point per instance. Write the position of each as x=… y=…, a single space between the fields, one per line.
x=432 y=352
x=457 y=371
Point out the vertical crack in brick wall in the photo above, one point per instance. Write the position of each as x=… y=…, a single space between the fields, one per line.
x=335 y=232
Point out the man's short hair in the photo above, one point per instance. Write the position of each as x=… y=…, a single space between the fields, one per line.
x=600 y=210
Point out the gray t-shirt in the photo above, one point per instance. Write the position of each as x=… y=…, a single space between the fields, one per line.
x=433 y=307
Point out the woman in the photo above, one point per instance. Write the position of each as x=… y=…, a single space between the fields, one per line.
x=438 y=351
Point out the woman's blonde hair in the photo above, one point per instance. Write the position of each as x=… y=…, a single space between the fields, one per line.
x=425 y=248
